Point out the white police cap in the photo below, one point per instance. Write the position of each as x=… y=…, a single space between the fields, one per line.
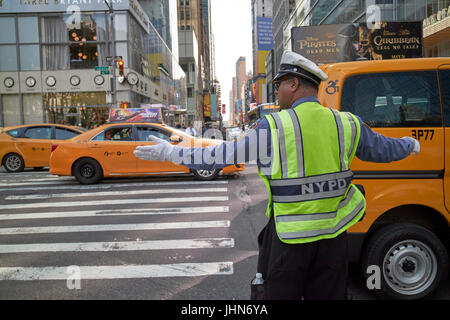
x=296 y=64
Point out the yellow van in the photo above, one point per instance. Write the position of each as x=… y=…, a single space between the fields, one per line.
x=404 y=235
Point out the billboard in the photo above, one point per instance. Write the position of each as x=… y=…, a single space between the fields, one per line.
x=213 y=106
x=354 y=42
x=264 y=35
x=135 y=115
x=207 y=105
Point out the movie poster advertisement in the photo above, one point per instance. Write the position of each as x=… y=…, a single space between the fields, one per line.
x=135 y=115
x=357 y=42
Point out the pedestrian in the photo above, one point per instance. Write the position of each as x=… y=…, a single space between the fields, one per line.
x=191 y=130
x=303 y=250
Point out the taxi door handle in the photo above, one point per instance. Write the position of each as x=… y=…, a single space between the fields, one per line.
x=96 y=145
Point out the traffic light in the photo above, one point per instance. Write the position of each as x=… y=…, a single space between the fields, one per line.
x=121 y=72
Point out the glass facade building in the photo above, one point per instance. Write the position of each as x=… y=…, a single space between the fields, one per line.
x=50 y=50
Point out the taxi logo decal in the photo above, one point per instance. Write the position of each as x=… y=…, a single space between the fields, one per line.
x=115 y=153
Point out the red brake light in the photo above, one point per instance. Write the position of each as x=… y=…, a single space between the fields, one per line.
x=54 y=146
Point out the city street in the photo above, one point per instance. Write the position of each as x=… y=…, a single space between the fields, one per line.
x=142 y=238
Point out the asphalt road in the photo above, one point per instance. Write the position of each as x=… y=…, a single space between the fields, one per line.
x=143 y=238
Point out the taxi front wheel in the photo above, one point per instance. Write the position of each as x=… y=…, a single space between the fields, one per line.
x=87 y=171
x=206 y=175
x=13 y=162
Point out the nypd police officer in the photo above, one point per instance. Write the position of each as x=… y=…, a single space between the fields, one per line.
x=303 y=155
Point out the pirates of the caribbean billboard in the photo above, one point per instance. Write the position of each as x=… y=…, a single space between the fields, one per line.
x=353 y=42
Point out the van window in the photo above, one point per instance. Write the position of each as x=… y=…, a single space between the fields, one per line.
x=445 y=89
x=401 y=99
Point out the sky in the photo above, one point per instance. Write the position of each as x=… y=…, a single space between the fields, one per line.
x=232 y=29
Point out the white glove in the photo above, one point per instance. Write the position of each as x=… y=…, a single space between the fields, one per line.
x=160 y=151
x=416 y=145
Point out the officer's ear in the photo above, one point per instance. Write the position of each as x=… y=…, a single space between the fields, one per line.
x=295 y=84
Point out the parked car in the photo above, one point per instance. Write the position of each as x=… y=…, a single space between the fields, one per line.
x=29 y=146
x=107 y=151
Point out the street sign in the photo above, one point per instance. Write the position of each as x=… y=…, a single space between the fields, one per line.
x=105 y=72
x=102 y=68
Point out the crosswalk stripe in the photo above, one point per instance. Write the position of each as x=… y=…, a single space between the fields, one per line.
x=77 y=186
x=117 y=272
x=114 y=212
x=119 y=246
x=113 y=193
x=49 y=179
x=109 y=202
x=116 y=227
x=31 y=181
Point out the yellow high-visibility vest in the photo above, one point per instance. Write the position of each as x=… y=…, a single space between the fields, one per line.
x=309 y=180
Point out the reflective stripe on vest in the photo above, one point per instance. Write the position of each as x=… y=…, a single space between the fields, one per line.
x=311 y=188
x=322 y=232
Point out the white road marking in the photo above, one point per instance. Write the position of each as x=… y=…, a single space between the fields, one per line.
x=109 y=202
x=118 y=272
x=78 y=186
x=119 y=246
x=113 y=193
x=114 y=212
x=116 y=227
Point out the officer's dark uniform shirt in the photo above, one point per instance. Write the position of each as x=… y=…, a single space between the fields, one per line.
x=257 y=145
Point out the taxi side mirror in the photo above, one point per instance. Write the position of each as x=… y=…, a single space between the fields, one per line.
x=176 y=139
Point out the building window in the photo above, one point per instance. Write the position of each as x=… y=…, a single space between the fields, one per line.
x=8 y=61
x=120 y=25
x=32 y=108
x=11 y=112
x=81 y=47
x=28 y=30
x=190 y=92
x=30 y=58
x=86 y=55
x=55 y=57
x=7 y=23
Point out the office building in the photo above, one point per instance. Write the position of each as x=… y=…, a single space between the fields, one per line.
x=194 y=25
x=54 y=65
x=262 y=35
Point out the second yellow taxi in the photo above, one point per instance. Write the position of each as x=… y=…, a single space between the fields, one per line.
x=107 y=151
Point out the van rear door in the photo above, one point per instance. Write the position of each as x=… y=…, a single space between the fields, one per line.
x=444 y=79
x=398 y=104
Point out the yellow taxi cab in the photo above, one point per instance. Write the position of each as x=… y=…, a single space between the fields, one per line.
x=404 y=236
x=107 y=151
x=29 y=146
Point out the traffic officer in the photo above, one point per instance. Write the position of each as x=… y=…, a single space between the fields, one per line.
x=303 y=155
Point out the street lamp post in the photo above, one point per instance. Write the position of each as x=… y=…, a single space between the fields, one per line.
x=111 y=40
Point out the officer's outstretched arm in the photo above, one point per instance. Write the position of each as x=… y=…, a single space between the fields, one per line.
x=376 y=147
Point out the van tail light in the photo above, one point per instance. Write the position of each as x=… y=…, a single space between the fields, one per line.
x=54 y=146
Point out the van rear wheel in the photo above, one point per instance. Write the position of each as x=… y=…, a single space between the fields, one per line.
x=412 y=260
